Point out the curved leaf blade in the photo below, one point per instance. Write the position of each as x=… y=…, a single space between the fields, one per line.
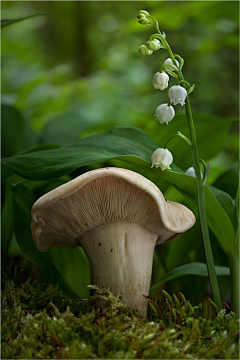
x=197 y=269
x=205 y=124
x=132 y=147
x=7 y=22
x=54 y=163
x=22 y=202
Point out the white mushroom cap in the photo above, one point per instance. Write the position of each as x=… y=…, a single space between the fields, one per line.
x=62 y=216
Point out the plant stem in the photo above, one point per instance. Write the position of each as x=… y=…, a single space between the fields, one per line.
x=202 y=210
x=201 y=194
x=233 y=261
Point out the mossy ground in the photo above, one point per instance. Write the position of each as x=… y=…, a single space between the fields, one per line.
x=39 y=323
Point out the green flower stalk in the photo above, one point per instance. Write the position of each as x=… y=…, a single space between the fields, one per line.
x=179 y=94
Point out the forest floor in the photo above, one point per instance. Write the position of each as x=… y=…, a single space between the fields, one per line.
x=38 y=322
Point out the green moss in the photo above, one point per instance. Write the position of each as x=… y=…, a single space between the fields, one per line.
x=39 y=323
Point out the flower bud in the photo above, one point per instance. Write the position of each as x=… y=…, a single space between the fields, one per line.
x=143 y=12
x=144 y=50
x=165 y=113
x=143 y=21
x=153 y=45
x=160 y=80
x=162 y=158
x=140 y=16
x=170 y=66
x=177 y=94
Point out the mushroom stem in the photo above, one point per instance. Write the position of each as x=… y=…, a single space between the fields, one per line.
x=121 y=257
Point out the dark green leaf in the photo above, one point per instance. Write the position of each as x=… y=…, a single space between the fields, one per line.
x=6 y=221
x=7 y=22
x=22 y=203
x=224 y=200
x=93 y=149
x=199 y=269
x=228 y=181
x=12 y=130
x=117 y=144
x=16 y=132
x=39 y=147
x=74 y=266
x=218 y=220
x=204 y=124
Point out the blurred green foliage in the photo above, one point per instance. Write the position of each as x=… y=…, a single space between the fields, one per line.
x=76 y=71
x=83 y=57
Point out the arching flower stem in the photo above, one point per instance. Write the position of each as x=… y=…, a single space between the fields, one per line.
x=200 y=186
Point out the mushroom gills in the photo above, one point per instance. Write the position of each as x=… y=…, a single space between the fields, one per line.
x=103 y=200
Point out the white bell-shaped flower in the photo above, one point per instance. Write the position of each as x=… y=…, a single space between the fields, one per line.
x=165 y=113
x=162 y=158
x=169 y=65
x=177 y=94
x=190 y=172
x=160 y=80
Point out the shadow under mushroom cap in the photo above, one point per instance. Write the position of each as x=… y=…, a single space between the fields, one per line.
x=98 y=197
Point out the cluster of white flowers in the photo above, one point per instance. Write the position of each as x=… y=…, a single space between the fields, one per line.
x=165 y=112
x=177 y=94
x=162 y=157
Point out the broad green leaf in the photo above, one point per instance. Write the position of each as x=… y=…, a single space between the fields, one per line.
x=22 y=203
x=236 y=216
x=7 y=173
x=131 y=147
x=7 y=22
x=74 y=266
x=39 y=147
x=6 y=221
x=16 y=133
x=50 y=164
x=225 y=201
x=183 y=250
x=228 y=181
x=218 y=220
x=199 y=269
x=204 y=124
x=12 y=130
x=68 y=267
x=237 y=203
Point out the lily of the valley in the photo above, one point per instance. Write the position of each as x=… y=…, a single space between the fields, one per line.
x=169 y=65
x=145 y=51
x=177 y=94
x=160 y=80
x=162 y=158
x=165 y=113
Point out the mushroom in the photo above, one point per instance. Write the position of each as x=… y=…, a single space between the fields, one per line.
x=117 y=216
